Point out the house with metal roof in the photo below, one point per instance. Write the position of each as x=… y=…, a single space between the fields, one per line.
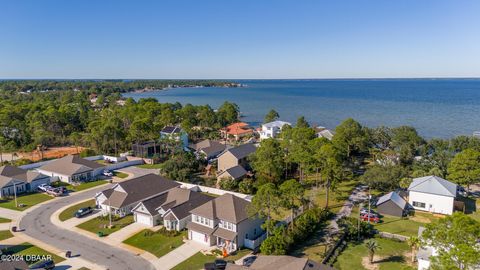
x=432 y=194
x=392 y=204
x=72 y=168
x=225 y=222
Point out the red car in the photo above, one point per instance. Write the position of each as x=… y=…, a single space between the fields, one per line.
x=372 y=217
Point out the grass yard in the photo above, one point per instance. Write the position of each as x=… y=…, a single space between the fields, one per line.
x=70 y=211
x=336 y=198
x=392 y=255
x=29 y=249
x=156 y=243
x=238 y=255
x=120 y=174
x=28 y=200
x=407 y=226
x=4 y=220
x=100 y=224
x=150 y=166
x=80 y=187
x=195 y=262
x=5 y=235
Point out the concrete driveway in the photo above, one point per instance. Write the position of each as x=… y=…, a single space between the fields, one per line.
x=136 y=171
x=37 y=225
x=178 y=255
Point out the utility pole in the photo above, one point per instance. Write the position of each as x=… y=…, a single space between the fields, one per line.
x=369 y=197
x=109 y=214
x=15 y=192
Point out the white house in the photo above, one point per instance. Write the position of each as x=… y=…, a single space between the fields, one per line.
x=72 y=168
x=272 y=129
x=323 y=132
x=432 y=194
x=225 y=223
x=172 y=209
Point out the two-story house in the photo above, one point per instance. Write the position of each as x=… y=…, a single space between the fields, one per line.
x=225 y=222
x=432 y=194
x=272 y=129
x=175 y=133
x=233 y=162
x=124 y=196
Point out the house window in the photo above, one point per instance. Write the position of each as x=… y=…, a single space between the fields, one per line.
x=226 y=225
x=419 y=204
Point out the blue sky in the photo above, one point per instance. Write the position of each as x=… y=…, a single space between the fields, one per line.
x=239 y=39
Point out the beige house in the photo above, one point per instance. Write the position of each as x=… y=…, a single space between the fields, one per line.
x=225 y=223
x=233 y=163
x=72 y=168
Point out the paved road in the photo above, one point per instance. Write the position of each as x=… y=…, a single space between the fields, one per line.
x=37 y=224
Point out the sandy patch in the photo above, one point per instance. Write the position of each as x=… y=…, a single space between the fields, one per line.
x=371 y=266
x=420 y=219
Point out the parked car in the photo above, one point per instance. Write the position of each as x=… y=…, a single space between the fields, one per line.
x=218 y=264
x=44 y=187
x=363 y=211
x=372 y=217
x=48 y=264
x=107 y=173
x=249 y=260
x=56 y=191
x=83 y=212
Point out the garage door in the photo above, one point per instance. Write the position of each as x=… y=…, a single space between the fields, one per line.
x=144 y=219
x=199 y=237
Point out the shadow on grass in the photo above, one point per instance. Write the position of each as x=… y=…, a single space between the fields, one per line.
x=395 y=258
x=317 y=238
x=15 y=249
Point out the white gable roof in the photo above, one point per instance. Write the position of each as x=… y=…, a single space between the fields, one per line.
x=277 y=123
x=394 y=197
x=433 y=185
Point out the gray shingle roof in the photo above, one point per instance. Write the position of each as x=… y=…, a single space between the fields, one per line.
x=433 y=185
x=209 y=147
x=243 y=150
x=236 y=172
x=21 y=174
x=70 y=165
x=394 y=197
x=227 y=207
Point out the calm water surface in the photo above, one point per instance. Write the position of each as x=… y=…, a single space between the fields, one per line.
x=437 y=108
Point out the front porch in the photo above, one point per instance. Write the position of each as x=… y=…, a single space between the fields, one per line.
x=226 y=246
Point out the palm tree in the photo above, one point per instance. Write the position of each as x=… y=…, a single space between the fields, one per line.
x=372 y=246
x=414 y=243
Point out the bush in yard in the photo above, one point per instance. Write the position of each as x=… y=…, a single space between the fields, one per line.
x=229 y=184
x=277 y=243
x=351 y=227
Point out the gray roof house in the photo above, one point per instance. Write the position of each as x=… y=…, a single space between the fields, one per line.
x=172 y=209
x=392 y=204
x=72 y=168
x=32 y=179
x=124 y=196
x=235 y=158
x=226 y=223
x=432 y=194
x=208 y=149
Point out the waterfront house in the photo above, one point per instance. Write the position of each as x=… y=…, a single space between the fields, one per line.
x=236 y=131
x=233 y=163
x=172 y=209
x=72 y=168
x=224 y=222
x=432 y=194
x=208 y=149
x=124 y=196
x=272 y=129
x=392 y=204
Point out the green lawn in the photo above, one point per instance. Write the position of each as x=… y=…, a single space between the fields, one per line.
x=5 y=220
x=5 y=235
x=120 y=174
x=336 y=198
x=80 y=187
x=195 y=262
x=28 y=200
x=407 y=226
x=29 y=249
x=155 y=242
x=100 y=224
x=150 y=166
x=391 y=256
x=238 y=255
x=70 y=211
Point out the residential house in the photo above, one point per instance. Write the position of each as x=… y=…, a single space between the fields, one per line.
x=175 y=133
x=172 y=209
x=10 y=186
x=236 y=131
x=323 y=132
x=146 y=149
x=225 y=223
x=233 y=162
x=272 y=129
x=124 y=196
x=392 y=204
x=432 y=194
x=32 y=178
x=284 y=262
x=72 y=168
x=208 y=149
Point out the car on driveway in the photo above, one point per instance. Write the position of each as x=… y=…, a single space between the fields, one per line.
x=83 y=212
x=48 y=264
x=372 y=218
x=44 y=187
x=364 y=211
x=107 y=173
x=249 y=260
